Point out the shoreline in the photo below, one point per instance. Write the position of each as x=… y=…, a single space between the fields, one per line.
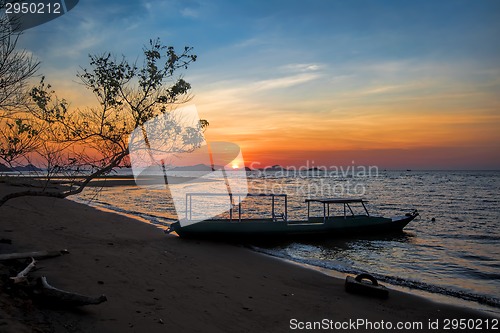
x=157 y=282
x=432 y=296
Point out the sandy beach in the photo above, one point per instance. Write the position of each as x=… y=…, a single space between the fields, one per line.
x=161 y=283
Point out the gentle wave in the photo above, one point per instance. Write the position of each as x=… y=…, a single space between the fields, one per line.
x=159 y=221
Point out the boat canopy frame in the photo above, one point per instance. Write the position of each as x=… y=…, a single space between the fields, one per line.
x=326 y=206
x=189 y=203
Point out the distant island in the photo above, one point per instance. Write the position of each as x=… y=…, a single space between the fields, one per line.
x=4 y=168
x=274 y=168
x=278 y=167
x=23 y=168
x=202 y=167
x=197 y=167
x=27 y=168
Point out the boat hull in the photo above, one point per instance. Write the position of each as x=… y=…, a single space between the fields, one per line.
x=267 y=228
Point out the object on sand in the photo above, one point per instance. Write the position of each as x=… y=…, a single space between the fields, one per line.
x=66 y=298
x=22 y=276
x=34 y=255
x=365 y=284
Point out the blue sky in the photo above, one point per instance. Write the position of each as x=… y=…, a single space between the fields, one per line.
x=301 y=68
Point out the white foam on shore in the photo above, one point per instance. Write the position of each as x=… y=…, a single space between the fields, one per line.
x=157 y=221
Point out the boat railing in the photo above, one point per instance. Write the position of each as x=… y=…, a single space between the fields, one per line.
x=232 y=196
x=326 y=206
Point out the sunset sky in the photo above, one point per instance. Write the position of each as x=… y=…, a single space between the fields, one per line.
x=397 y=84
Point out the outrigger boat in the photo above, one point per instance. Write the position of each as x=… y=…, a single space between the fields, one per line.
x=278 y=225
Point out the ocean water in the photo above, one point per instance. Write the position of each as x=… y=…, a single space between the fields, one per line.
x=452 y=249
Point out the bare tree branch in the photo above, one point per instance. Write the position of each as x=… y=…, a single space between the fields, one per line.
x=83 y=144
x=16 y=68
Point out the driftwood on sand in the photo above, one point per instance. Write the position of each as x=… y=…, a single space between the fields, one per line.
x=22 y=276
x=65 y=297
x=34 y=254
x=42 y=288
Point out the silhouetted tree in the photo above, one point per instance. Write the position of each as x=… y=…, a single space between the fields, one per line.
x=88 y=143
x=18 y=135
x=16 y=68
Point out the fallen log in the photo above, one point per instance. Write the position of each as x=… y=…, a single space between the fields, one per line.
x=35 y=254
x=22 y=275
x=65 y=297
